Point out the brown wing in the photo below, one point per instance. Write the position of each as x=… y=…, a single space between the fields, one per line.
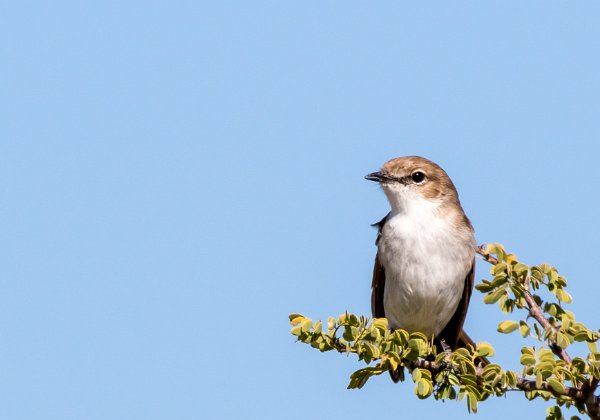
x=452 y=331
x=377 y=288
x=378 y=284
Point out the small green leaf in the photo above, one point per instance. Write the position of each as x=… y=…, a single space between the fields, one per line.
x=556 y=385
x=373 y=350
x=562 y=340
x=499 y=269
x=554 y=413
x=424 y=388
x=563 y=296
x=507 y=326
x=524 y=328
x=552 y=309
x=350 y=333
x=537 y=274
x=511 y=379
x=306 y=324
x=527 y=359
x=330 y=323
x=485 y=349
x=295 y=319
x=472 y=403
x=494 y=296
x=381 y=324
x=484 y=287
x=538 y=380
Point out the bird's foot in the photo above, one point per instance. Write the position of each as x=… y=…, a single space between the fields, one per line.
x=446 y=349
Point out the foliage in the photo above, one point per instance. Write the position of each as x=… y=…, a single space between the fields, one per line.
x=548 y=371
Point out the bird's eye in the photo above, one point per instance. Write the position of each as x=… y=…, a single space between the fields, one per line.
x=417 y=177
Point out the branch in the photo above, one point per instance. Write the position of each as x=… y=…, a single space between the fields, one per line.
x=457 y=374
x=579 y=396
x=486 y=255
x=534 y=310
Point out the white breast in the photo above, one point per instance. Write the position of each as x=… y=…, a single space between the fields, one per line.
x=426 y=261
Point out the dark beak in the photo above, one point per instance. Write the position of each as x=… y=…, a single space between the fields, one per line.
x=378 y=177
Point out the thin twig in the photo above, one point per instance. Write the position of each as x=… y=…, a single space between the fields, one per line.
x=486 y=255
x=534 y=310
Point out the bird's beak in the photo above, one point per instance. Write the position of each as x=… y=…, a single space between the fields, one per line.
x=378 y=177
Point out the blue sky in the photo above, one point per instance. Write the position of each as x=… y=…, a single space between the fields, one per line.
x=178 y=177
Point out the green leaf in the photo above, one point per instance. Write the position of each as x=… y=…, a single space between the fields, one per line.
x=527 y=359
x=538 y=380
x=494 y=296
x=552 y=275
x=472 y=403
x=381 y=324
x=520 y=269
x=423 y=388
x=545 y=268
x=330 y=323
x=552 y=309
x=360 y=377
x=556 y=385
x=485 y=349
x=562 y=340
x=524 y=328
x=306 y=324
x=295 y=319
x=350 y=333
x=554 y=413
x=511 y=379
x=373 y=350
x=563 y=296
x=499 y=269
x=537 y=274
x=507 y=326
x=484 y=287
x=374 y=334
x=496 y=249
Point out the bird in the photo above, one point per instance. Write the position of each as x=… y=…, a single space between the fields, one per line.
x=424 y=267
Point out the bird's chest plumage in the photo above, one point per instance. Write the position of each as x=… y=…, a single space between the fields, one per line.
x=426 y=263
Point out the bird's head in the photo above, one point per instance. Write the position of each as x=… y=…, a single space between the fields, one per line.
x=413 y=181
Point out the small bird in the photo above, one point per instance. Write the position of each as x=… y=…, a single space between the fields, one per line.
x=425 y=263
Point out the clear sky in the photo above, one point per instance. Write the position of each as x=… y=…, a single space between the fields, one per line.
x=177 y=177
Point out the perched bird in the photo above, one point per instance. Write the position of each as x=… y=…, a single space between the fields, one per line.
x=425 y=262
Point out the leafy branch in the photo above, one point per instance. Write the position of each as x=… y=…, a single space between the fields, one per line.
x=549 y=372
